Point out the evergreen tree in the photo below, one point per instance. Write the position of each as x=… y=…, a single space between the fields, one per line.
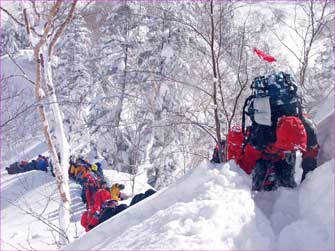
x=74 y=83
x=13 y=38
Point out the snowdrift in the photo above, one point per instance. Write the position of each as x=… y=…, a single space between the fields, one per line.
x=314 y=227
x=206 y=209
x=324 y=119
x=27 y=200
x=212 y=208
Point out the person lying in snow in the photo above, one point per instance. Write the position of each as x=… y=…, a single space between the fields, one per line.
x=72 y=168
x=105 y=207
x=89 y=188
x=138 y=197
x=14 y=168
x=41 y=163
x=90 y=218
x=109 y=209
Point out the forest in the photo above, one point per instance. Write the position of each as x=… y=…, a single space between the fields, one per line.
x=149 y=87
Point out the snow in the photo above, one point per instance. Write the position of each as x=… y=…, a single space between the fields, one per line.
x=325 y=109
x=168 y=53
x=36 y=192
x=314 y=227
x=212 y=208
x=209 y=208
x=41 y=93
x=324 y=118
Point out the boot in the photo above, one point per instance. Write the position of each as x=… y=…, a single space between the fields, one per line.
x=308 y=164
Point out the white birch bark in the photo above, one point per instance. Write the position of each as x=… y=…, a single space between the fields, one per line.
x=40 y=45
x=64 y=210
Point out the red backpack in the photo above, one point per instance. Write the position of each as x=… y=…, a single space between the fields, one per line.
x=235 y=142
x=248 y=159
x=291 y=134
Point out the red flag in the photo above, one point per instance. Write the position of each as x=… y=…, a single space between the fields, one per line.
x=264 y=56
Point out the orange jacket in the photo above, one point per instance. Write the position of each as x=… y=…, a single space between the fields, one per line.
x=80 y=169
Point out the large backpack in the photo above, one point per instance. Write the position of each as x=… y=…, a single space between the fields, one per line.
x=273 y=96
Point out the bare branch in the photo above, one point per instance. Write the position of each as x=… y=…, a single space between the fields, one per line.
x=35 y=9
x=85 y=7
x=62 y=27
x=9 y=14
x=11 y=245
x=17 y=75
x=21 y=69
x=189 y=25
x=286 y=46
x=26 y=21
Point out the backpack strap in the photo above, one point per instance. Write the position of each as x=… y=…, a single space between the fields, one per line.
x=245 y=112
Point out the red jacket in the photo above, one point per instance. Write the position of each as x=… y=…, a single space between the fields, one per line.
x=88 y=221
x=247 y=161
x=91 y=188
x=100 y=197
x=85 y=218
x=90 y=193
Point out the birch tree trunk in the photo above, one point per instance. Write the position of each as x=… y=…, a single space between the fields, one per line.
x=43 y=55
x=61 y=164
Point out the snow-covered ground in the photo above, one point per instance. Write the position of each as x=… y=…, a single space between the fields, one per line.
x=30 y=204
x=213 y=208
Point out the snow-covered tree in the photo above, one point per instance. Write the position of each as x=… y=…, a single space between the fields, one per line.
x=74 y=83
x=13 y=34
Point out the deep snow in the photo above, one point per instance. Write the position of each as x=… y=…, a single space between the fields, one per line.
x=212 y=208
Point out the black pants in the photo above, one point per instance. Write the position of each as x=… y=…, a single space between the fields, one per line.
x=110 y=212
x=138 y=197
x=268 y=175
x=308 y=164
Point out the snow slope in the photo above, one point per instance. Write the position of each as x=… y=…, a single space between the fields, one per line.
x=19 y=135
x=30 y=204
x=29 y=211
x=212 y=208
x=324 y=119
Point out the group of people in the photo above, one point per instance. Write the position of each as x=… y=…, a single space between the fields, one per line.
x=278 y=128
x=41 y=163
x=102 y=202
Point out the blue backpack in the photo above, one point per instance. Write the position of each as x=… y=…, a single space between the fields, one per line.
x=273 y=96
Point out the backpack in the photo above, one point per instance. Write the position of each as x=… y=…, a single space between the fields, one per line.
x=273 y=96
x=291 y=134
x=108 y=204
x=235 y=142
